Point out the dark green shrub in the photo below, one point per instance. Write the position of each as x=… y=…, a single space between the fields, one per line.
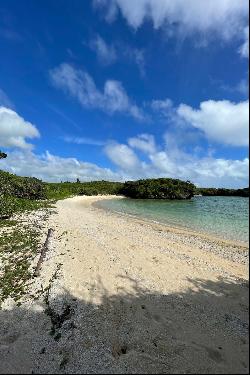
x=210 y=192
x=160 y=188
x=21 y=187
x=67 y=189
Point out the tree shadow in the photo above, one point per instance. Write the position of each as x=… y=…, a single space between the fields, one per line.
x=201 y=330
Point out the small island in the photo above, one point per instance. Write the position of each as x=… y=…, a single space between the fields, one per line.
x=160 y=188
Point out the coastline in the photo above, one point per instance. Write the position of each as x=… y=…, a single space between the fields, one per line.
x=176 y=229
x=119 y=294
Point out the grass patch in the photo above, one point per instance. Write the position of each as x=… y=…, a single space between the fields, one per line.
x=10 y=205
x=7 y=223
x=18 y=247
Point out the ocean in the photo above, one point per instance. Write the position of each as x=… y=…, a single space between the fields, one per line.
x=224 y=217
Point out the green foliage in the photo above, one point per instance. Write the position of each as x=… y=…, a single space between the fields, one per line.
x=61 y=190
x=17 y=250
x=67 y=189
x=101 y=187
x=10 y=205
x=21 y=187
x=223 y=192
x=18 y=243
x=2 y=155
x=161 y=188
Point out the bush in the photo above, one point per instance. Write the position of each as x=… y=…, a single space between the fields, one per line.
x=210 y=192
x=67 y=189
x=11 y=205
x=161 y=188
x=21 y=187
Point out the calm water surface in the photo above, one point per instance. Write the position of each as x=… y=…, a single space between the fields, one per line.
x=226 y=217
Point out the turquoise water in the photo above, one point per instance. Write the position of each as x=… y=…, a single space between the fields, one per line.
x=226 y=217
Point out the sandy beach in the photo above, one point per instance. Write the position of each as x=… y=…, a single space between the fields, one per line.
x=118 y=294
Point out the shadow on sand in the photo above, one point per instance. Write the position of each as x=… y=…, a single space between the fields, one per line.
x=202 y=330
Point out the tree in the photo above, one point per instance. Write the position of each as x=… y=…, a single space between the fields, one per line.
x=159 y=188
x=2 y=155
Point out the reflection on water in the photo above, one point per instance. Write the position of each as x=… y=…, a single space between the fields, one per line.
x=223 y=216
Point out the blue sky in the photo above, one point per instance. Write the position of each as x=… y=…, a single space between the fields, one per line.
x=124 y=90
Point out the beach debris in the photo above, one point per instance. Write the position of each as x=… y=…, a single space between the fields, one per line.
x=43 y=252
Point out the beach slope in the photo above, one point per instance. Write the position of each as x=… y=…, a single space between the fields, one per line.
x=123 y=295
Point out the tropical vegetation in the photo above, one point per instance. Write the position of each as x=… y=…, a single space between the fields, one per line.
x=223 y=192
x=160 y=188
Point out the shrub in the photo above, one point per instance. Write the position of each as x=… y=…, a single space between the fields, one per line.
x=21 y=187
x=161 y=188
x=210 y=192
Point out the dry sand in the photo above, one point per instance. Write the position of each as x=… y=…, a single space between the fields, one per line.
x=129 y=296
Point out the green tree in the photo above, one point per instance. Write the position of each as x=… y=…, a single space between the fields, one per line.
x=2 y=155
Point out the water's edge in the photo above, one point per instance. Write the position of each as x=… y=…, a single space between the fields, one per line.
x=181 y=228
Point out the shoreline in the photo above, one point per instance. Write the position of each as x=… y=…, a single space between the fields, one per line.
x=120 y=295
x=176 y=229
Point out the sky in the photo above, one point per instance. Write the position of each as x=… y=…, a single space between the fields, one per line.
x=121 y=90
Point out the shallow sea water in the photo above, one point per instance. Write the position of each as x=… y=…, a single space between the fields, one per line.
x=225 y=217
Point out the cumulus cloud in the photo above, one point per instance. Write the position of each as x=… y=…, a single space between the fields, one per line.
x=14 y=130
x=244 y=48
x=50 y=167
x=204 y=171
x=171 y=161
x=221 y=121
x=225 y=17
x=123 y=157
x=106 y=53
x=158 y=161
x=80 y=85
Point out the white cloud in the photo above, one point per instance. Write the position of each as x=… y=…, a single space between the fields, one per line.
x=134 y=55
x=162 y=105
x=143 y=142
x=224 y=16
x=221 y=121
x=206 y=171
x=106 y=53
x=124 y=157
x=81 y=86
x=167 y=161
x=225 y=19
x=49 y=167
x=243 y=87
x=14 y=130
x=164 y=108
x=244 y=48
x=171 y=161
x=84 y=141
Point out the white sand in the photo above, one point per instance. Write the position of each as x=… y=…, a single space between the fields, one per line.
x=130 y=297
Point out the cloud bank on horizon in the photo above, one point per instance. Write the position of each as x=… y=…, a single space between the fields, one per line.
x=131 y=99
